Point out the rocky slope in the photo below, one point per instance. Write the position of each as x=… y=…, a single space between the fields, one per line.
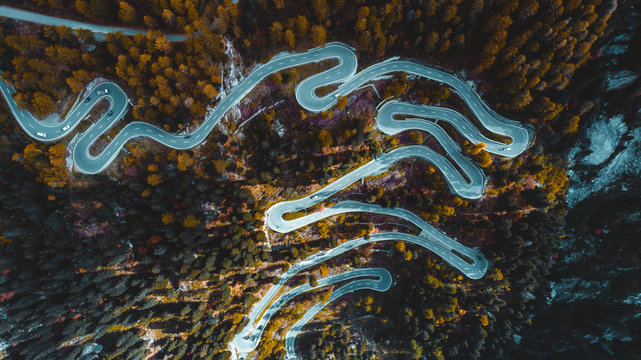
x=593 y=307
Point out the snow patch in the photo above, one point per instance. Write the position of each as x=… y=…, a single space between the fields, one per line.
x=3 y=346
x=620 y=79
x=625 y=162
x=232 y=66
x=591 y=338
x=280 y=129
x=69 y=153
x=612 y=334
x=230 y=76
x=614 y=49
x=90 y=351
x=633 y=300
x=573 y=289
x=634 y=217
x=622 y=38
x=604 y=137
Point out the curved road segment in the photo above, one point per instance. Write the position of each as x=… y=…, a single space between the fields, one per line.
x=465 y=179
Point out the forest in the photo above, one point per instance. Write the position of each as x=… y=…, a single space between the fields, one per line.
x=162 y=255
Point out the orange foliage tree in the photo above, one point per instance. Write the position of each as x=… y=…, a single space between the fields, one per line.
x=184 y=161
x=50 y=164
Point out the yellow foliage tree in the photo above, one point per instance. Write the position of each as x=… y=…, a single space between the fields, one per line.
x=429 y=313
x=477 y=148
x=137 y=152
x=79 y=80
x=553 y=176
x=163 y=44
x=320 y=9
x=459 y=202
x=485 y=160
x=325 y=138
x=42 y=103
x=52 y=172
x=326 y=295
x=290 y=39
x=433 y=218
x=190 y=221
x=434 y=282
x=408 y=255
x=276 y=32
x=168 y=16
x=323 y=228
x=319 y=35
x=302 y=24
x=220 y=165
x=446 y=210
x=497 y=276
x=168 y=218
x=324 y=270
x=184 y=161
x=127 y=13
x=210 y=91
x=56 y=154
x=30 y=152
x=154 y=179
x=573 y=125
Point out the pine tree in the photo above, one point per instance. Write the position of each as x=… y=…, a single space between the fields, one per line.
x=127 y=13
x=289 y=38
x=275 y=32
x=302 y=25
x=319 y=35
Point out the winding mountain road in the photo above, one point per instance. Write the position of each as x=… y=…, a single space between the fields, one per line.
x=463 y=177
x=344 y=73
x=468 y=182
